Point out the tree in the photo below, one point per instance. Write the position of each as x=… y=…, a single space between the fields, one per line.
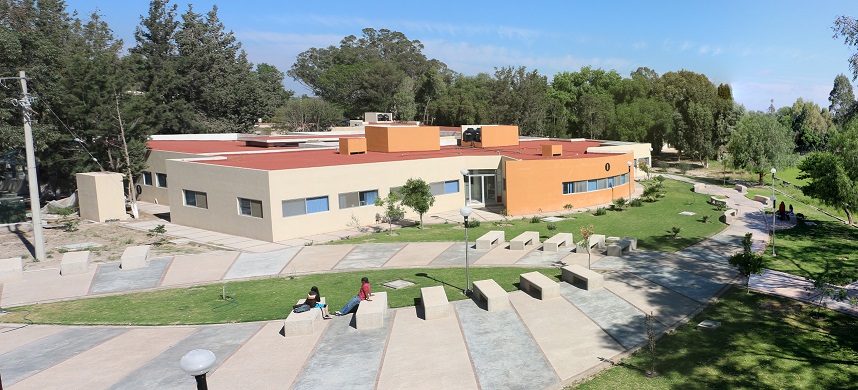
x=586 y=233
x=404 y=107
x=831 y=175
x=417 y=195
x=842 y=99
x=847 y=27
x=392 y=208
x=747 y=262
x=810 y=124
x=760 y=143
x=308 y=114
x=271 y=89
x=363 y=74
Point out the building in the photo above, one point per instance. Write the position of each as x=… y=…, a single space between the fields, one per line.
x=276 y=188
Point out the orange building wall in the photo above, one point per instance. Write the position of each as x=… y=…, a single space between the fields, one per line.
x=532 y=185
x=494 y=136
x=402 y=139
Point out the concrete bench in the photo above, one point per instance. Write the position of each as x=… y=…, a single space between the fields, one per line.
x=730 y=216
x=370 y=314
x=715 y=201
x=490 y=239
x=11 y=269
x=559 y=240
x=742 y=189
x=619 y=247
x=135 y=257
x=297 y=324
x=519 y=242
x=592 y=280
x=537 y=281
x=435 y=303
x=699 y=187
x=633 y=243
x=762 y=199
x=74 y=263
x=495 y=296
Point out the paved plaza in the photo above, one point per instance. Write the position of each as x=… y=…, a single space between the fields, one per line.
x=535 y=344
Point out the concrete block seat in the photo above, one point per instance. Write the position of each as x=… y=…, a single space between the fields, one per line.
x=135 y=257
x=11 y=269
x=495 y=296
x=699 y=187
x=620 y=246
x=715 y=201
x=730 y=216
x=490 y=239
x=591 y=280
x=74 y=263
x=762 y=199
x=559 y=240
x=519 y=242
x=596 y=240
x=435 y=303
x=537 y=281
x=370 y=314
x=297 y=324
x=742 y=189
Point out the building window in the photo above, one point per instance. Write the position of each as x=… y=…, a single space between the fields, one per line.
x=147 y=178
x=305 y=206
x=196 y=199
x=451 y=186
x=250 y=207
x=358 y=199
x=610 y=182
x=162 y=179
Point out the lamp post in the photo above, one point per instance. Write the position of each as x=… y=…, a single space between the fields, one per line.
x=197 y=363
x=631 y=182
x=466 y=211
x=467 y=181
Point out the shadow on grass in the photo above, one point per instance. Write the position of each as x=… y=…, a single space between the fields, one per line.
x=425 y=275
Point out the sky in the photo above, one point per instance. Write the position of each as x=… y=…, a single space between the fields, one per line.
x=764 y=49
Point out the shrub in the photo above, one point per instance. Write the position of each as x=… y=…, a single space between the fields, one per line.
x=663 y=165
x=601 y=211
x=705 y=219
x=534 y=219
x=70 y=226
x=674 y=231
x=619 y=204
x=636 y=202
x=472 y=223
x=567 y=206
x=683 y=167
x=800 y=217
x=552 y=226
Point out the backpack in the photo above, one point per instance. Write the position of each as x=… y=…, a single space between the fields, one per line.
x=300 y=308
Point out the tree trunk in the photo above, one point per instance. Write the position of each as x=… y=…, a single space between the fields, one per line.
x=848 y=215
x=761 y=178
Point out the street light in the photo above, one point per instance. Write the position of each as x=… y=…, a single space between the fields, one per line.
x=197 y=363
x=466 y=211
x=467 y=181
x=631 y=183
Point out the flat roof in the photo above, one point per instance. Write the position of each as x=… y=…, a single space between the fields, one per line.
x=281 y=159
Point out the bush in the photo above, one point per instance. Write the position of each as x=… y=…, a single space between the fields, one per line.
x=800 y=217
x=674 y=231
x=534 y=219
x=705 y=219
x=473 y=223
x=663 y=165
x=601 y=211
x=552 y=226
x=619 y=204
x=567 y=206
x=636 y=202
x=683 y=167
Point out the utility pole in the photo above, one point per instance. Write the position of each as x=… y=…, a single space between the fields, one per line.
x=32 y=179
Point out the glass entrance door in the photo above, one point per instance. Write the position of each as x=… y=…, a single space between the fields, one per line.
x=480 y=188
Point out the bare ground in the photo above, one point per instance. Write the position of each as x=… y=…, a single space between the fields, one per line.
x=17 y=240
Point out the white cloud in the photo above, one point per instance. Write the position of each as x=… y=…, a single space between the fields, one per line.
x=640 y=45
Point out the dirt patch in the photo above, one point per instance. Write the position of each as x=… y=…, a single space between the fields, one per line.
x=113 y=238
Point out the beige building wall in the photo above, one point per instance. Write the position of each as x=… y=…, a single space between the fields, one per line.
x=332 y=181
x=222 y=186
x=155 y=164
x=101 y=196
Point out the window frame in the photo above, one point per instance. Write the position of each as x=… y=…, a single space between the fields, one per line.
x=147 y=178
x=250 y=207
x=158 y=180
x=196 y=198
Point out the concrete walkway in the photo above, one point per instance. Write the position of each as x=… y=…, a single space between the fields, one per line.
x=533 y=344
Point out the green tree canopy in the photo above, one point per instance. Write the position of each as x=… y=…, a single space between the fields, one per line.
x=760 y=143
x=417 y=195
x=832 y=176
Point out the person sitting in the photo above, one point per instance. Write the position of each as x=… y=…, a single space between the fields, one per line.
x=313 y=300
x=363 y=295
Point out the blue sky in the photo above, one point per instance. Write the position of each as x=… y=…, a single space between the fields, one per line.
x=781 y=50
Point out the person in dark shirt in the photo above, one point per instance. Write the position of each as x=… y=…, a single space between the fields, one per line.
x=313 y=300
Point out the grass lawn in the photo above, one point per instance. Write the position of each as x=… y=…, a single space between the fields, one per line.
x=764 y=342
x=256 y=300
x=650 y=224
